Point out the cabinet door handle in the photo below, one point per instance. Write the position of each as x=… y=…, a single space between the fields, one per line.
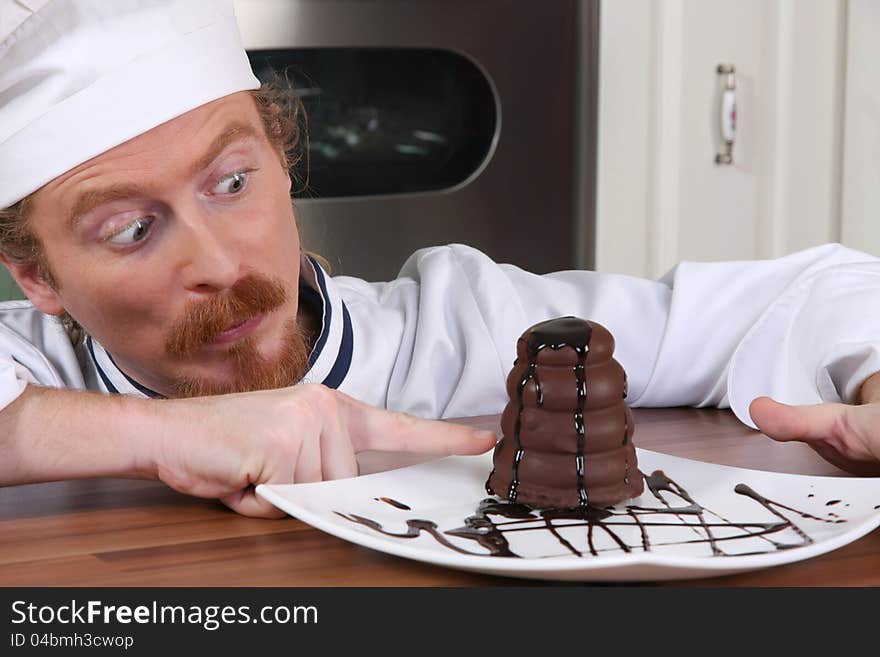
x=728 y=113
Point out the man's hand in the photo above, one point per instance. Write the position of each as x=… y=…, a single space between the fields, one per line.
x=846 y=435
x=221 y=447
x=216 y=447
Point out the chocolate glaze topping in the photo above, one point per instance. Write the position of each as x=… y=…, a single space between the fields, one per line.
x=566 y=430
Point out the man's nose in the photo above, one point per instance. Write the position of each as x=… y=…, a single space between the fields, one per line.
x=209 y=260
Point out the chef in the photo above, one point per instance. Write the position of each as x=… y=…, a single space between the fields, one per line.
x=176 y=327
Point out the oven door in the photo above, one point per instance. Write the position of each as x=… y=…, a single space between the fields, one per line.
x=493 y=82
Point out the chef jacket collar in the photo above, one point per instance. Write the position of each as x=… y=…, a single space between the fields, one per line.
x=329 y=360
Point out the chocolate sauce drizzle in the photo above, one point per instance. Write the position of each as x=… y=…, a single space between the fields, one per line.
x=394 y=503
x=706 y=526
x=555 y=335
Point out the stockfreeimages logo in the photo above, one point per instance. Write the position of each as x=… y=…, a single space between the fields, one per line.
x=209 y=617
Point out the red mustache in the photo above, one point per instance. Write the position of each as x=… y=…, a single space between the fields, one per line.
x=203 y=321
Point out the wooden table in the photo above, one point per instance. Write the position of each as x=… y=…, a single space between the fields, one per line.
x=111 y=532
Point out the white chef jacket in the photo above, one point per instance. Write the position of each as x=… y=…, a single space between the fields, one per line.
x=439 y=340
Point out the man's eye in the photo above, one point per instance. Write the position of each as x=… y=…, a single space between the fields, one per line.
x=133 y=232
x=231 y=184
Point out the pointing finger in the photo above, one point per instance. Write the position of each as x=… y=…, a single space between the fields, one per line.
x=375 y=429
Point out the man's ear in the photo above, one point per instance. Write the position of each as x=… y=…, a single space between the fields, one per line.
x=42 y=295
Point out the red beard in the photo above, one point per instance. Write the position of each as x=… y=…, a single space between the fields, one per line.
x=203 y=321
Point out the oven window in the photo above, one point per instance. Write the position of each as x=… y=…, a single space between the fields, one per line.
x=386 y=120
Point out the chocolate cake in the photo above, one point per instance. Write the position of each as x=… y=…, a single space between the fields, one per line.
x=567 y=431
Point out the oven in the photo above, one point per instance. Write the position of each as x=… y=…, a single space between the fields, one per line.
x=439 y=121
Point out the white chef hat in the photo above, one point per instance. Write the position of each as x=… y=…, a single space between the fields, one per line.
x=78 y=77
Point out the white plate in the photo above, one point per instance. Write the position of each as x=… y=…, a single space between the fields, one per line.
x=806 y=516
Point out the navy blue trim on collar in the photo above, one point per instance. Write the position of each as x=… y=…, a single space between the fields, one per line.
x=144 y=389
x=110 y=387
x=346 y=347
x=103 y=376
x=310 y=297
x=327 y=315
x=343 y=360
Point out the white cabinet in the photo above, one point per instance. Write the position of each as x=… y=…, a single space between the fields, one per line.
x=661 y=197
x=860 y=179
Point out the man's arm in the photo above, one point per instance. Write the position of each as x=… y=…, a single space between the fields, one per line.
x=846 y=435
x=49 y=435
x=215 y=447
x=707 y=334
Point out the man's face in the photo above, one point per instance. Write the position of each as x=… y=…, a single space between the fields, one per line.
x=178 y=251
